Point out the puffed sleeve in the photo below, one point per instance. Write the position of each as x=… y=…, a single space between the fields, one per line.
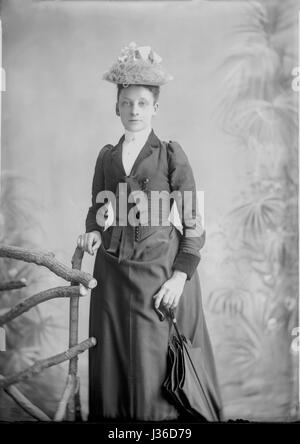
x=181 y=179
x=97 y=186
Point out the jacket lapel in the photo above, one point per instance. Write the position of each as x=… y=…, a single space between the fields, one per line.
x=116 y=154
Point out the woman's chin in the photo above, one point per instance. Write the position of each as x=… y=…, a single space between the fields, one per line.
x=134 y=126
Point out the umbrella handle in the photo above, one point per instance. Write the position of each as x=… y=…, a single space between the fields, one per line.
x=160 y=314
x=173 y=318
x=171 y=314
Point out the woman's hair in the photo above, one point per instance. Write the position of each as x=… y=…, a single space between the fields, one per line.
x=154 y=89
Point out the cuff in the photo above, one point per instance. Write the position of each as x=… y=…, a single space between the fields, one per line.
x=187 y=263
x=92 y=227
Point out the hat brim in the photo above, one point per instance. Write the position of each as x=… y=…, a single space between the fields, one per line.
x=137 y=74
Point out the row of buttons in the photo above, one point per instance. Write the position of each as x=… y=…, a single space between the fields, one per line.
x=144 y=183
x=137 y=229
x=136 y=233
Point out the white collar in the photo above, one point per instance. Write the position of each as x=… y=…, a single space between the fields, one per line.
x=139 y=137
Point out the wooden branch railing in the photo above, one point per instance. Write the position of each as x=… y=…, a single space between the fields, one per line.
x=69 y=392
x=12 y=285
x=69 y=407
x=47 y=259
x=26 y=405
x=32 y=301
x=41 y=365
x=73 y=407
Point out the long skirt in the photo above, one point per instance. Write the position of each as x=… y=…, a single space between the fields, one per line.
x=128 y=365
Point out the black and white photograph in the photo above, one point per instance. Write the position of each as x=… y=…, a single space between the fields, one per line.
x=149 y=214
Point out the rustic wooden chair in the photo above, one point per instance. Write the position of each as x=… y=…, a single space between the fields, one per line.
x=69 y=407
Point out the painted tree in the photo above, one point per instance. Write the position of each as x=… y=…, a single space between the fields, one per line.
x=259 y=304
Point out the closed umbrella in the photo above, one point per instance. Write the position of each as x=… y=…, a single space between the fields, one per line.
x=187 y=384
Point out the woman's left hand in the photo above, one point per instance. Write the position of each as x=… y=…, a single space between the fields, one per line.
x=171 y=291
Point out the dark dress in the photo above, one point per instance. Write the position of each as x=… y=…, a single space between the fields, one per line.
x=128 y=364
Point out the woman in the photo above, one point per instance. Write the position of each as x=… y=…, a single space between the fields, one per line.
x=143 y=263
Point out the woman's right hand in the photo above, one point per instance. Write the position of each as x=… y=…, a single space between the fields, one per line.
x=89 y=242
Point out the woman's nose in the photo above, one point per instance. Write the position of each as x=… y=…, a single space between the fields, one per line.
x=134 y=109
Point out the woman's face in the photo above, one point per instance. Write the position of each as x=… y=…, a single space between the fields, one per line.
x=136 y=108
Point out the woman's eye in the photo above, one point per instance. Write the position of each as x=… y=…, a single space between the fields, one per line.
x=125 y=103
x=142 y=103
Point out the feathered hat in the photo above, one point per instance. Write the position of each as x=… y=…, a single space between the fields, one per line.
x=137 y=66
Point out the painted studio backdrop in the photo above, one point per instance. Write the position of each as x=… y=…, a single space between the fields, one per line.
x=231 y=106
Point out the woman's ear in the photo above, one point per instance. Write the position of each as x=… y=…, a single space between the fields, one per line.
x=117 y=109
x=156 y=107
